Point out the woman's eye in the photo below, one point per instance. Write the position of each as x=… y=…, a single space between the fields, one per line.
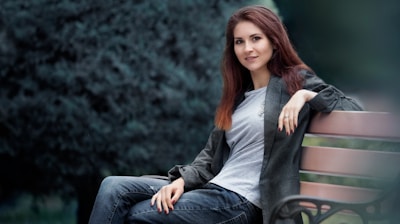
x=238 y=41
x=256 y=38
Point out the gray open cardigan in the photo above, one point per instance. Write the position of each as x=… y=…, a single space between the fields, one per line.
x=280 y=169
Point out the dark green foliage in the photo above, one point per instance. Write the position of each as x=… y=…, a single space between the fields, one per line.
x=352 y=44
x=96 y=87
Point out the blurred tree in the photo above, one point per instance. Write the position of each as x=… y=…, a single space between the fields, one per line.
x=97 y=87
x=353 y=44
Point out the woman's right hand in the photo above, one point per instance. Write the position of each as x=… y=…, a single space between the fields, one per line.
x=168 y=195
x=289 y=115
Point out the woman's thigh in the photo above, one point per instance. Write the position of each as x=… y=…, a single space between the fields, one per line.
x=126 y=186
x=117 y=194
x=211 y=204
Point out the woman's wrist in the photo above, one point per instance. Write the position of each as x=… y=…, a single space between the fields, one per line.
x=180 y=181
x=307 y=94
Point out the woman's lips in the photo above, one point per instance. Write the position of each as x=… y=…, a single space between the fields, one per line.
x=251 y=58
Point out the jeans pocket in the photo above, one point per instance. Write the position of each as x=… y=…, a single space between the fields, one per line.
x=239 y=219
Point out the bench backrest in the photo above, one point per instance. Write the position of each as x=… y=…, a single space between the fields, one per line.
x=360 y=149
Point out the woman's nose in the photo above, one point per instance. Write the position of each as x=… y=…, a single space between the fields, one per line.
x=248 y=46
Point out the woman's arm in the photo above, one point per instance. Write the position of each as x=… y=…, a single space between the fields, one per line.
x=185 y=177
x=199 y=171
x=328 y=97
x=319 y=95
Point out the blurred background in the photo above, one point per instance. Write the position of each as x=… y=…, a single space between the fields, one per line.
x=115 y=87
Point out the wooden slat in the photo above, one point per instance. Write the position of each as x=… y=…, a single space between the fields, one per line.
x=339 y=161
x=337 y=192
x=356 y=123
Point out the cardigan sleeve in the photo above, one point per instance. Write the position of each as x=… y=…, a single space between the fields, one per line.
x=328 y=97
x=200 y=171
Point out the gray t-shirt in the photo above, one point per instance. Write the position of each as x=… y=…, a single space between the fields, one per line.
x=241 y=172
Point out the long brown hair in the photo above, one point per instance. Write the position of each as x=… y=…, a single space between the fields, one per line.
x=236 y=79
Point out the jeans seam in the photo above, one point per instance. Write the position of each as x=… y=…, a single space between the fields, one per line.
x=236 y=218
x=237 y=205
x=120 y=196
x=110 y=218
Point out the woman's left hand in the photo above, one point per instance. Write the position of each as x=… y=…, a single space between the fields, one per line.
x=288 y=118
x=168 y=195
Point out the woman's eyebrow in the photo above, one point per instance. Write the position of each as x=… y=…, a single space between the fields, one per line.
x=251 y=35
x=255 y=34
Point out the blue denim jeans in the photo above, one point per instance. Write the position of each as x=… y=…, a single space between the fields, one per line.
x=127 y=200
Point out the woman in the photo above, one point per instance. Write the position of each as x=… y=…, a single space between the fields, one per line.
x=251 y=158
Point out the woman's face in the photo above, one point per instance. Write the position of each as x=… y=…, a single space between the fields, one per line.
x=252 y=47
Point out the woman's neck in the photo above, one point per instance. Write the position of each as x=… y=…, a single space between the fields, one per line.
x=260 y=79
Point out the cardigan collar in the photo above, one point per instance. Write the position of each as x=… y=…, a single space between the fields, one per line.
x=271 y=113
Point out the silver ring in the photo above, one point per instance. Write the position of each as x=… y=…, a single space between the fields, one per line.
x=286 y=116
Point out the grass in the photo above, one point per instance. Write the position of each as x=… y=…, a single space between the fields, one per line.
x=25 y=209
x=342 y=218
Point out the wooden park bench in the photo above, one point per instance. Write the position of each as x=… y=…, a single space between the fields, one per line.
x=349 y=169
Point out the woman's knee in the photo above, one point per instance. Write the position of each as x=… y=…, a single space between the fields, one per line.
x=109 y=181
x=111 y=185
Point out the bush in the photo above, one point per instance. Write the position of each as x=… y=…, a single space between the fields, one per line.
x=96 y=87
